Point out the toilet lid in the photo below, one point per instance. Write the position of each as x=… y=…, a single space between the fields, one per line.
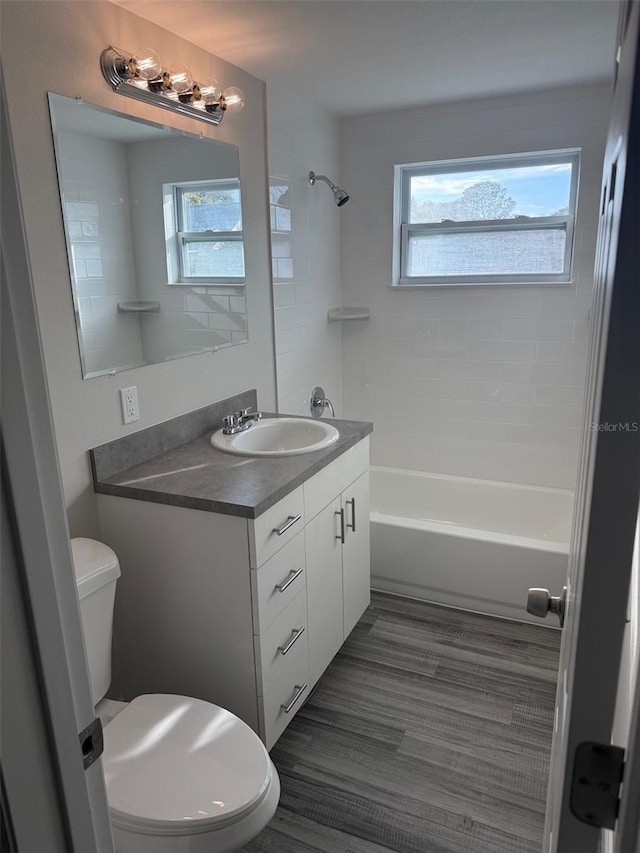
x=174 y=764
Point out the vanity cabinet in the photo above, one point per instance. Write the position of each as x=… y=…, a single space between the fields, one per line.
x=244 y=613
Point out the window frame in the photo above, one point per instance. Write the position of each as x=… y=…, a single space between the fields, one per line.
x=403 y=229
x=185 y=238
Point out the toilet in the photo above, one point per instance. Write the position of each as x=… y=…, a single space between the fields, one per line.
x=182 y=775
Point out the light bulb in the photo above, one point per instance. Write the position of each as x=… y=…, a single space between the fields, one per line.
x=211 y=92
x=234 y=99
x=181 y=80
x=148 y=64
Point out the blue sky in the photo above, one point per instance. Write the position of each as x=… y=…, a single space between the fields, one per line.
x=538 y=190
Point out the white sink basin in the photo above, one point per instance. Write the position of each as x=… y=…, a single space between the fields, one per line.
x=278 y=437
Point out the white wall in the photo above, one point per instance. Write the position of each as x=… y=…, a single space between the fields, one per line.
x=482 y=382
x=303 y=137
x=67 y=39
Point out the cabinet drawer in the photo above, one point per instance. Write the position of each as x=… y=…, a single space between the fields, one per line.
x=291 y=694
x=276 y=583
x=275 y=527
x=283 y=648
x=322 y=488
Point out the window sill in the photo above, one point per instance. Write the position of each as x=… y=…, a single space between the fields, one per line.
x=411 y=284
x=211 y=282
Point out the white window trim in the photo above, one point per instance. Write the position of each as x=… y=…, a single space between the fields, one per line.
x=402 y=229
x=178 y=239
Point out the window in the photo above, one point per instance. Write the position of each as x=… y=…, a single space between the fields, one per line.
x=203 y=227
x=503 y=220
x=281 y=235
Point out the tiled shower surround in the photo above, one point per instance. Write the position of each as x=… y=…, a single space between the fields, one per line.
x=305 y=244
x=481 y=382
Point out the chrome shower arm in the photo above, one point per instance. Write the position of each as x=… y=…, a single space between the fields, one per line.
x=313 y=178
x=339 y=195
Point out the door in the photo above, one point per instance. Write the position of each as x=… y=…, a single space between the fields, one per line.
x=609 y=475
x=323 y=535
x=49 y=701
x=356 y=552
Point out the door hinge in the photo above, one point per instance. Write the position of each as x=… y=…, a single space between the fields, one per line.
x=91 y=742
x=595 y=787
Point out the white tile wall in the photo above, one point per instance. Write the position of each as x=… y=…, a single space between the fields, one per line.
x=93 y=172
x=190 y=318
x=487 y=382
x=306 y=259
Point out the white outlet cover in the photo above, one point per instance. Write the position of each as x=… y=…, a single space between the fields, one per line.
x=129 y=403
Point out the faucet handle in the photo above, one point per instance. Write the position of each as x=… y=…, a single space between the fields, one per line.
x=319 y=403
x=247 y=413
x=230 y=420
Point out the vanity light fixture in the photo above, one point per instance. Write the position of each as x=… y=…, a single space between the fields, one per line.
x=143 y=76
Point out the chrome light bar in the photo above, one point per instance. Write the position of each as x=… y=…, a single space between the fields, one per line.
x=142 y=76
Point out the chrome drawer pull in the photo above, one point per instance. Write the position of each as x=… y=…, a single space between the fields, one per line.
x=293 y=574
x=291 y=520
x=296 y=633
x=300 y=688
x=352 y=526
x=341 y=514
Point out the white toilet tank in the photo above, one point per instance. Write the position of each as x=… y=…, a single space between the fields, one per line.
x=97 y=571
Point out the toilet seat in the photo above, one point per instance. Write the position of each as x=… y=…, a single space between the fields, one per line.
x=175 y=765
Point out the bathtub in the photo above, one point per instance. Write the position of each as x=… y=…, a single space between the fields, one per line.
x=474 y=544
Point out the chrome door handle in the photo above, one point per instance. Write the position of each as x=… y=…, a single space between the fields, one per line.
x=291 y=520
x=299 y=688
x=341 y=514
x=352 y=526
x=296 y=633
x=293 y=574
x=540 y=602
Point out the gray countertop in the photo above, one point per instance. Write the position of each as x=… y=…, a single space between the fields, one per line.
x=198 y=476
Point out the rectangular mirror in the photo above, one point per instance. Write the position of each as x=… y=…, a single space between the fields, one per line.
x=153 y=225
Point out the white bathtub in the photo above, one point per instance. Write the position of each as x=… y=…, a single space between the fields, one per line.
x=475 y=544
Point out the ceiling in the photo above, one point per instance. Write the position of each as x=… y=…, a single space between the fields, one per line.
x=356 y=56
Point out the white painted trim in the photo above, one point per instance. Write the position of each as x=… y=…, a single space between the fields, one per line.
x=41 y=537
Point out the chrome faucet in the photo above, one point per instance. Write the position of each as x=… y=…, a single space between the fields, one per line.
x=319 y=403
x=239 y=421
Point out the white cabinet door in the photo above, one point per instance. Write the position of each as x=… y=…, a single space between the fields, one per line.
x=356 y=552
x=324 y=588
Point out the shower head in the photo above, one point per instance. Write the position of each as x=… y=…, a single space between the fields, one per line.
x=339 y=196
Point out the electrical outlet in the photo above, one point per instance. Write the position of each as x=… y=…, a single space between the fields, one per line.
x=129 y=402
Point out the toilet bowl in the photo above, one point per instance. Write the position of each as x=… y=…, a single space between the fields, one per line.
x=182 y=775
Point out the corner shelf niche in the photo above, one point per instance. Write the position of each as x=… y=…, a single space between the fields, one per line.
x=348 y=312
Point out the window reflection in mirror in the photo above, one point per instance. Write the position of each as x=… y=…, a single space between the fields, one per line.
x=203 y=223
x=153 y=226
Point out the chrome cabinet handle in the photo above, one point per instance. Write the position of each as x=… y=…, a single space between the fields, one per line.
x=300 y=688
x=296 y=633
x=341 y=514
x=293 y=574
x=291 y=520
x=353 y=514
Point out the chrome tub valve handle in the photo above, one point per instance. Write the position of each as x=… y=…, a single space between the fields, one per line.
x=319 y=403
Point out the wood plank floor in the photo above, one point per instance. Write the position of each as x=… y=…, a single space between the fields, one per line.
x=429 y=733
